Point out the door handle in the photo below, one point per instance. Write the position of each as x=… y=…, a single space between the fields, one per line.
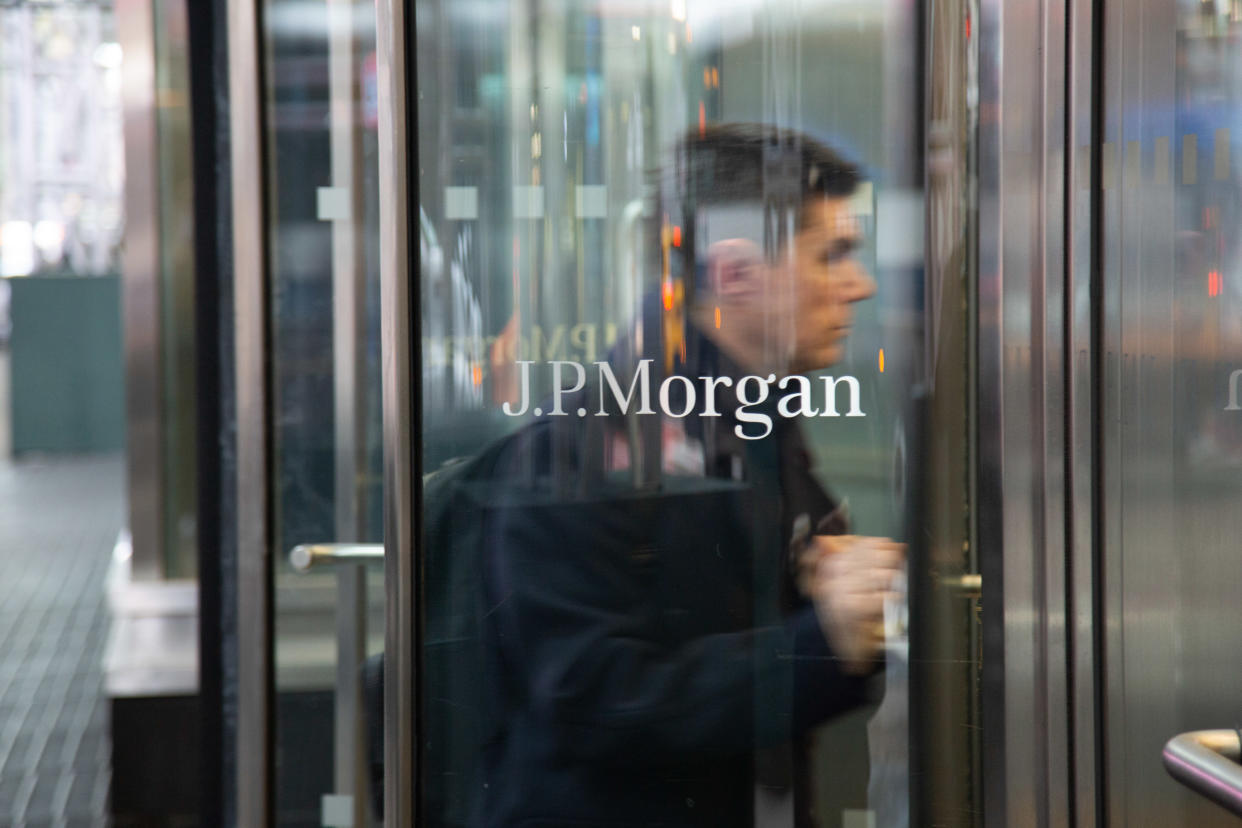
x=966 y=586
x=1206 y=761
x=308 y=556
x=350 y=778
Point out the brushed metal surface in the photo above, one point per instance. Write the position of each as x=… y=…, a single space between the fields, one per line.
x=1171 y=467
x=988 y=440
x=140 y=292
x=349 y=330
x=399 y=332
x=1051 y=552
x=946 y=767
x=1108 y=480
x=1022 y=411
x=307 y=556
x=255 y=707
x=1082 y=414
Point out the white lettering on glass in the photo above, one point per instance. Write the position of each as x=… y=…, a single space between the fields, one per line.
x=751 y=392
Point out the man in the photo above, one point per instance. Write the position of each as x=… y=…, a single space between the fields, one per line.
x=667 y=613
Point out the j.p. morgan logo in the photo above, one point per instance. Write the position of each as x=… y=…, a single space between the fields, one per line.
x=681 y=396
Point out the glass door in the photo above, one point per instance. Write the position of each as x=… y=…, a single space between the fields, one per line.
x=325 y=385
x=311 y=591
x=669 y=351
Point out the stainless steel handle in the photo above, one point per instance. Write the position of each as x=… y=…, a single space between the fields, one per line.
x=308 y=556
x=351 y=649
x=1206 y=761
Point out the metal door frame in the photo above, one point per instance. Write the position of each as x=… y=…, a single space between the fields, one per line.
x=1037 y=430
x=399 y=336
x=256 y=551
x=255 y=669
x=1083 y=446
x=141 y=293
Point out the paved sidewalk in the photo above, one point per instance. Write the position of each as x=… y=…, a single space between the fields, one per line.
x=59 y=519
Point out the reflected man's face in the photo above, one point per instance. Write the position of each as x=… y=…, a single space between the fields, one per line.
x=827 y=279
x=791 y=315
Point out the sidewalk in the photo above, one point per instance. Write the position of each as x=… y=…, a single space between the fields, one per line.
x=59 y=519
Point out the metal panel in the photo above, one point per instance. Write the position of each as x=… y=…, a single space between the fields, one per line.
x=255 y=761
x=1171 y=457
x=1081 y=441
x=1050 y=560
x=989 y=422
x=141 y=291
x=1022 y=440
x=398 y=305
x=349 y=375
x=1109 y=347
x=946 y=766
x=1136 y=451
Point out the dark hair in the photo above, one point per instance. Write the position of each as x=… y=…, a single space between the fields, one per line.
x=727 y=163
x=731 y=163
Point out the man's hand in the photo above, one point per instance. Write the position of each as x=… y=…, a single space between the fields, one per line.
x=848 y=578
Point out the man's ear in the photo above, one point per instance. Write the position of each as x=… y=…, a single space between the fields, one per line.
x=734 y=268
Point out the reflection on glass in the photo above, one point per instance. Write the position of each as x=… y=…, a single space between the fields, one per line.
x=1172 y=255
x=671 y=323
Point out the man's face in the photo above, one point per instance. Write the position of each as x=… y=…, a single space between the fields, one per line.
x=792 y=315
x=826 y=279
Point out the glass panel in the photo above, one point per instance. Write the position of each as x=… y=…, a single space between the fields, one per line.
x=325 y=388
x=673 y=326
x=1172 y=401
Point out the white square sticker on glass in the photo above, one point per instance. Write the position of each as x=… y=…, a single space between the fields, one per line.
x=592 y=201
x=857 y=819
x=899 y=228
x=863 y=200
x=461 y=203
x=528 y=202
x=332 y=203
x=337 y=811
